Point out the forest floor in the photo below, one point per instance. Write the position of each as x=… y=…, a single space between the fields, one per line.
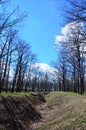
x=52 y=111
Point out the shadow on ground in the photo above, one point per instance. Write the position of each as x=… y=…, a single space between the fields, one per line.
x=18 y=112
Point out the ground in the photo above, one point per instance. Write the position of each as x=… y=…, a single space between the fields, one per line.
x=62 y=111
x=49 y=111
x=17 y=112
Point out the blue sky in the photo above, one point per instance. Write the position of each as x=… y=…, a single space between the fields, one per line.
x=42 y=25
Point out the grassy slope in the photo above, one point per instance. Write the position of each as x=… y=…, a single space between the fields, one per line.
x=69 y=114
x=63 y=111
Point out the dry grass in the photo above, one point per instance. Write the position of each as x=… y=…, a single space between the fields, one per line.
x=18 y=112
x=64 y=111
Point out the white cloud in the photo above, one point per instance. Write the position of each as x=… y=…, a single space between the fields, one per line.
x=59 y=38
x=41 y=67
x=70 y=30
x=11 y=74
x=46 y=69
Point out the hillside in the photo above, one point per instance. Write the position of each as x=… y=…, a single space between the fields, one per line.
x=55 y=111
x=64 y=111
x=18 y=112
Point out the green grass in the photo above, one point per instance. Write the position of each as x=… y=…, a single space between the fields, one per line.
x=14 y=93
x=84 y=93
x=74 y=94
x=51 y=98
x=71 y=93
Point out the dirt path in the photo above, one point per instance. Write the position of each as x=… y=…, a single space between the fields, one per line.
x=47 y=111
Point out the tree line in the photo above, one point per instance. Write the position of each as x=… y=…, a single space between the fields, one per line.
x=17 y=71
x=72 y=49
x=15 y=54
x=17 y=59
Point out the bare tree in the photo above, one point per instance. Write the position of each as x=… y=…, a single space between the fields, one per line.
x=30 y=70
x=8 y=27
x=74 y=44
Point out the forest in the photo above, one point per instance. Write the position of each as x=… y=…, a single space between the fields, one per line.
x=72 y=48
x=17 y=71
